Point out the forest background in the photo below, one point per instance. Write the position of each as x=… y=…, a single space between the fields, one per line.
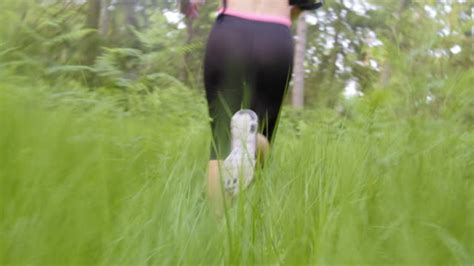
x=104 y=138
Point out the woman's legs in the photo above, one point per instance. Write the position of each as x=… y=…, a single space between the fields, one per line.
x=247 y=65
x=216 y=195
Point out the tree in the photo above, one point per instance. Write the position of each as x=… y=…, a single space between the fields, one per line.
x=299 y=68
x=337 y=51
x=92 y=22
x=104 y=18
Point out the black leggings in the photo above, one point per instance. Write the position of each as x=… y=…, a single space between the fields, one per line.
x=247 y=64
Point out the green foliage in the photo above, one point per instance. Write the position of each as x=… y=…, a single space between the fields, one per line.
x=43 y=37
x=159 y=54
x=412 y=60
x=85 y=181
x=52 y=42
x=104 y=163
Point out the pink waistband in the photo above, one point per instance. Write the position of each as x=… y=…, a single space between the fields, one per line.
x=256 y=17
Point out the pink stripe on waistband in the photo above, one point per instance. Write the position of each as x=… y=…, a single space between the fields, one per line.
x=256 y=17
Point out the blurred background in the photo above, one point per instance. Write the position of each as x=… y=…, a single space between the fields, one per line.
x=353 y=47
x=104 y=138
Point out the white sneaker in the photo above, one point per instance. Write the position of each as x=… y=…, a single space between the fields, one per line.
x=240 y=164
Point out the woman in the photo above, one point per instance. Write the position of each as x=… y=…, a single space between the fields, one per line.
x=247 y=65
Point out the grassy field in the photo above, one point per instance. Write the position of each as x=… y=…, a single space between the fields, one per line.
x=84 y=182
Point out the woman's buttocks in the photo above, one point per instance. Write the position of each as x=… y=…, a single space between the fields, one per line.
x=237 y=29
x=239 y=37
x=250 y=44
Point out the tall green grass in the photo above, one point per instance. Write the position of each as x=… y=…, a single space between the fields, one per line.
x=84 y=181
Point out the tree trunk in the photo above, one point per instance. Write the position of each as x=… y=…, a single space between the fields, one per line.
x=189 y=21
x=154 y=4
x=92 y=22
x=187 y=54
x=131 y=14
x=146 y=21
x=104 y=18
x=297 y=99
x=93 y=14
